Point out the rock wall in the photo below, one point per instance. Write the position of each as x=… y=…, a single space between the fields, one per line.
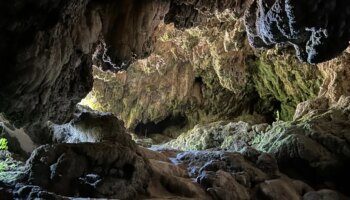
x=197 y=73
x=204 y=74
x=318 y=30
x=278 y=75
x=45 y=60
x=48 y=47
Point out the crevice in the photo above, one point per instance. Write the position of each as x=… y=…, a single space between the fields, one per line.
x=152 y=127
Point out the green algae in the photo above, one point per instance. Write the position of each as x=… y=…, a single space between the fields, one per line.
x=285 y=79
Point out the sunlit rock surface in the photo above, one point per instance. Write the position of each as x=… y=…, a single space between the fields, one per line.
x=205 y=74
x=315 y=147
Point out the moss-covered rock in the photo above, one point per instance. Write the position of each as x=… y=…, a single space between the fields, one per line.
x=281 y=76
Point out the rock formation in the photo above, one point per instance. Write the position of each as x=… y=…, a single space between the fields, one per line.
x=164 y=66
x=204 y=74
x=315 y=147
x=47 y=61
x=119 y=169
x=318 y=30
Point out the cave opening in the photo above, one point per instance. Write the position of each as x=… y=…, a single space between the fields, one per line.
x=198 y=80
x=148 y=128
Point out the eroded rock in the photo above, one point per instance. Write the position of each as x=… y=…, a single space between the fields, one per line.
x=316 y=29
x=91 y=126
x=89 y=170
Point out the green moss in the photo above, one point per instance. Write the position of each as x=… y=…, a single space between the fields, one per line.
x=3 y=144
x=285 y=79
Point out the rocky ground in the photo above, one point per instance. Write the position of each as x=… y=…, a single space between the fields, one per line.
x=98 y=159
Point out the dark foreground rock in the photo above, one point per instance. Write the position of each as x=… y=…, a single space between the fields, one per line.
x=102 y=171
x=106 y=170
x=98 y=170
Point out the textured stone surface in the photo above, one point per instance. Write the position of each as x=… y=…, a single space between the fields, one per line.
x=336 y=73
x=46 y=60
x=197 y=73
x=47 y=51
x=279 y=77
x=117 y=168
x=221 y=135
x=319 y=30
x=189 y=13
x=90 y=126
x=89 y=170
x=204 y=74
x=315 y=147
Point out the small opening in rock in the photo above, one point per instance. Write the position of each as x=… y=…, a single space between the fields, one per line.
x=128 y=171
x=152 y=127
x=198 y=80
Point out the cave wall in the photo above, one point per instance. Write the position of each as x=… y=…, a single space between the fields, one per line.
x=45 y=60
x=318 y=29
x=47 y=49
x=196 y=73
x=48 y=45
x=205 y=73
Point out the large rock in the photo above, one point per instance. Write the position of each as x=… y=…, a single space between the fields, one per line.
x=48 y=47
x=222 y=135
x=91 y=126
x=318 y=29
x=314 y=147
x=47 y=59
x=18 y=141
x=190 y=74
x=118 y=170
x=88 y=170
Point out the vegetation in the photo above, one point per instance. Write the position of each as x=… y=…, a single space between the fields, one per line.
x=3 y=154
x=3 y=144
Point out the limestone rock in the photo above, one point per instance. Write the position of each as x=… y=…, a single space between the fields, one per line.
x=228 y=175
x=280 y=77
x=335 y=74
x=18 y=141
x=91 y=126
x=314 y=147
x=204 y=74
x=223 y=135
x=89 y=170
x=301 y=24
x=48 y=48
x=47 y=65
x=189 y=74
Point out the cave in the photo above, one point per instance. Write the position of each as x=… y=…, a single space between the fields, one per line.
x=175 y=99
x=144 y=129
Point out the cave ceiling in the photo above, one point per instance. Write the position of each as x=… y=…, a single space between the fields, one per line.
x=47 y=45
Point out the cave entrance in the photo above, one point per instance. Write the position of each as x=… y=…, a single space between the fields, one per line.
x=148 y=128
